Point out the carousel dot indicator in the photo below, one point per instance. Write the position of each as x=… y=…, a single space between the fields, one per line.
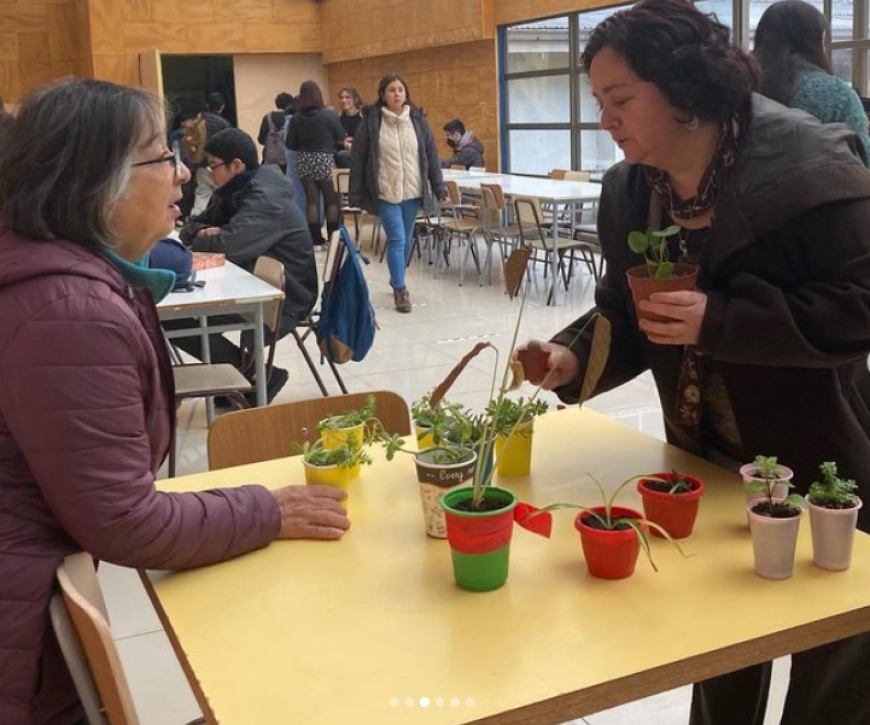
x=424 y=702
x=409 y=702
x=454 y=702
x=439 y=701
x=394 y=702
x=469 y=701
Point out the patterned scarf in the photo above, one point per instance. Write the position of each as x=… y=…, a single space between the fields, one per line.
x=711 y=181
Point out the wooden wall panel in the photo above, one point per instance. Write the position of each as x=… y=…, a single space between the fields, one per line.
x=515 y=11
x=459 y=82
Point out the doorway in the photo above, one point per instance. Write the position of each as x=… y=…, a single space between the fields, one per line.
x=188 y=79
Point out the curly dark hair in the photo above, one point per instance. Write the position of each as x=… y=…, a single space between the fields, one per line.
x=686 y=53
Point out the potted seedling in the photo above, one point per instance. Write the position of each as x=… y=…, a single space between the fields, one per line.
x=612 y=536
x=332 y=466
x=833 y=517
x=774 y=519
x=671 y=500
x=765 y=473
x=513 y=423
x=350 y=425
x=430 y=421
x=658 y=273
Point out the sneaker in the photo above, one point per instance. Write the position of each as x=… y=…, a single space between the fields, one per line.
x=402 y=300
x=277 y=380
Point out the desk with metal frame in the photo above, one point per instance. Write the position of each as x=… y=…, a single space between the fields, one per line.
x=355 y=630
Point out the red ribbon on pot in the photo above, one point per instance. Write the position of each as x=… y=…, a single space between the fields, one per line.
x=542 y=524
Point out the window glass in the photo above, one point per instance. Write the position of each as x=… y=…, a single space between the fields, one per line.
x=539 y=100
x=542 y=45
x=539 y=151
x=589 y=112
x=841 y=60
x=597 y=151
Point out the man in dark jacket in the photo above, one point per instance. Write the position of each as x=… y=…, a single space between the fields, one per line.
x=214 y=123
x=467 y=150
x=252 y=213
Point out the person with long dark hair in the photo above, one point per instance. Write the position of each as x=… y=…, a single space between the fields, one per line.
x=315 y=134
x=350 y=106
x=790 y=47
x=762 y=357
x=394 y=171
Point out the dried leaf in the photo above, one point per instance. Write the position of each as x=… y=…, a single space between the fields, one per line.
x=598 y=354
x=518 y=374
x=515 y=269
x=442 y=388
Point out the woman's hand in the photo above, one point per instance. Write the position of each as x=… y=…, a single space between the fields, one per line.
x=562 y=364
x=311 y=512
x=686 y=312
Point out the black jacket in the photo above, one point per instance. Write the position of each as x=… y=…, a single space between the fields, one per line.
x=317 y=129
x=468 y=154
x=364 y=189
x=786 y=270
x=263 y=218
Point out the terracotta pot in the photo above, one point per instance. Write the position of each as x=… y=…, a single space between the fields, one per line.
x=534 y=362
x=642 y=285
x=833 y=535
x=773 y=543
x=674 y=512
x=437 y=479
x=609 y=554
x=480 y=541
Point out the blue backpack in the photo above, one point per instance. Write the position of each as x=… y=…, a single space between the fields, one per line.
x=171 y=254
x=346 y=329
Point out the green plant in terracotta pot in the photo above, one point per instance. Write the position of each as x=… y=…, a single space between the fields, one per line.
x=612 y=536
x=774 y=520
x=658 y=273
x=833 y=517
x=671 y=500
x=335 y=429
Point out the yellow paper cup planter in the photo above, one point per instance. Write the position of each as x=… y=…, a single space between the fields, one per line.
x=513 y=452
x=333 y=439
x=335 y=475
x=425 y=438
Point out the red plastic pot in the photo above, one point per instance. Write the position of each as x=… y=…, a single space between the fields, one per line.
x=674 y=512
x=609 y=554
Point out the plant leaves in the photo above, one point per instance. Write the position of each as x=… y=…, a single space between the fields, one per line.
x=442 y=388
x=665 y=270
x=667 y=232
x=599 y=352
x=638 y=242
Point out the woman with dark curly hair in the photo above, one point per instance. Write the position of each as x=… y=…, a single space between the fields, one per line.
x=790 y=47
x=761 y=357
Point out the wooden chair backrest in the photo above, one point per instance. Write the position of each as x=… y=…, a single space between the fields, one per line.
x=271 y=271
x=453 y=191
x=458 y=167
x=491 y=214
x=558 y=173
x=497 y=193
x=341 y=180
x=83 y=598
x=529 y=217
x=262 y=434
x=583 y=176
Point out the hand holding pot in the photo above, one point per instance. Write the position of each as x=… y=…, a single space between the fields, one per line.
x=558 y=360
x=685 y=310
x=311 y=512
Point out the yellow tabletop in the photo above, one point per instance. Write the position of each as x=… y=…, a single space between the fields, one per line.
x=359 y=630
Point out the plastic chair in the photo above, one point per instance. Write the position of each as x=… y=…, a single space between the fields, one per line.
x=262 y=434
x=81 y=624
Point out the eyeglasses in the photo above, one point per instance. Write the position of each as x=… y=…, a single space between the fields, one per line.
x=173 y=158
x=212 y=167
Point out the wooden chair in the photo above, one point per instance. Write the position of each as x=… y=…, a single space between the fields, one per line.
x=583 y=176
x=81 y=624
x=558 y=173
x=341 y=182
x=495 y=231
x=262 y=434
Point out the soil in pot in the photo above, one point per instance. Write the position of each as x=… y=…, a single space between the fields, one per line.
x=674 y=511
x=776 y=510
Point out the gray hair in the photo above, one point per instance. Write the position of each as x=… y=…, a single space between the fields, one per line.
x=66 y=161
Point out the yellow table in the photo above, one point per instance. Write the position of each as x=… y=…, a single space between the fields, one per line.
x=315 y=633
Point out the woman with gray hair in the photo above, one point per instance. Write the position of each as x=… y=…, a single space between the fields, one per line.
x=87 y=187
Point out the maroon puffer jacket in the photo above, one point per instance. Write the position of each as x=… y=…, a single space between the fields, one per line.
x=85 y=416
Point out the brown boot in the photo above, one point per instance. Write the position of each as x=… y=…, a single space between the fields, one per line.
x=402 y=300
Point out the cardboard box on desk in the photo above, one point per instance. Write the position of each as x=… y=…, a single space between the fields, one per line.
x=208 y=260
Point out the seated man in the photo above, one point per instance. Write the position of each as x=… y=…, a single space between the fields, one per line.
x=252 y=213
x=468 y=151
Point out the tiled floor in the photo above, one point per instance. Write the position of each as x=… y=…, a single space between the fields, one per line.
x=412 y=353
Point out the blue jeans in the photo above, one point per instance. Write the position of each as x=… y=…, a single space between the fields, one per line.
x=398 y=222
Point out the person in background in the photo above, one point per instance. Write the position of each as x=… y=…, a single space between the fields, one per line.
x=350 y=114
x=180 y=121
x=6 y=120
x=790 y=47
x=273 y=132
x=252 y=213
x=761 y=357
x=467 y=150
x=214 y=122
x=87 y=187
x=394 y=171
x=315 y=134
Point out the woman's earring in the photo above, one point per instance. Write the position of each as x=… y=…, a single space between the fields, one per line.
x=692 y=123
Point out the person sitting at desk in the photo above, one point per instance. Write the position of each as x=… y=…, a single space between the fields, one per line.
x=467 y=149
x=87 y=187
x=252 y=213
x=762 y=357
